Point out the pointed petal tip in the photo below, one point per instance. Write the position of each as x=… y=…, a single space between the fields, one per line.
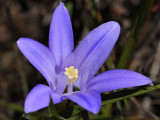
x=27 y=111
x=22 y=41
x=115 y=25
x=19 y=41
x=61 y=3
x=147 y=81
x=95 y=110
x=117 y=79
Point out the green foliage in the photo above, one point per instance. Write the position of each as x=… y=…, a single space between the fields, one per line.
x=140 y=19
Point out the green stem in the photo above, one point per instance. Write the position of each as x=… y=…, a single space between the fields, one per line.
x=19 y=108
x=53 y=112
x=12 y=106
x=110 y=63
x=85 y=115
x=107 y=111
x=141 y=18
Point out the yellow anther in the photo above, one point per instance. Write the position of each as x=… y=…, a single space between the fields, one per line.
x=72 y=74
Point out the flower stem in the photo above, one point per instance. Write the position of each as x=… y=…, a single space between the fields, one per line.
x=85 y=115
x=53 y=112
x=12 y=106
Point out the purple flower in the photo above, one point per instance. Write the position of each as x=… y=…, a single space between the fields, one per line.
x=64 y=67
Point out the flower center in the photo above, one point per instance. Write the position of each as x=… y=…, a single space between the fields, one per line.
x=72 y=74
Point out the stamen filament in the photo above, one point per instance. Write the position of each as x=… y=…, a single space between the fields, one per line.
x=70 y=87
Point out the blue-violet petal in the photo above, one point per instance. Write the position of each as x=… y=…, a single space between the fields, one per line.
x=95 y=48
x=38 y=98
x=40 y=57
x=61 y=35
x=90 y=100
x=117 y=79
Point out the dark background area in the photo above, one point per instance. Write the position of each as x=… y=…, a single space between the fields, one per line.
x=31 y=18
